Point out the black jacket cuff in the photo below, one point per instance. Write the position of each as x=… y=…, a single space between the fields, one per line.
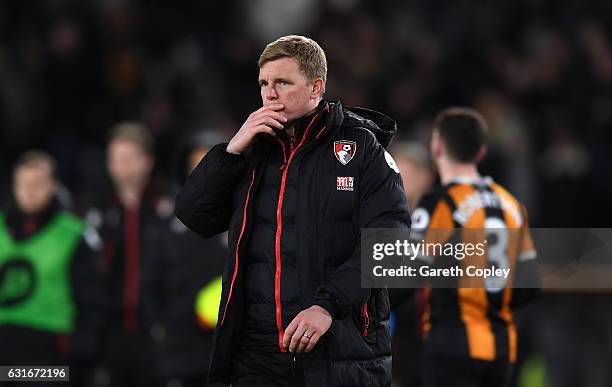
x=327 y=298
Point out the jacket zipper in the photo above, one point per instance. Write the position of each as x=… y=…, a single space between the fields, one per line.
x=282 y=144
x=244 y=218
x=365 y=319
x=279 y=229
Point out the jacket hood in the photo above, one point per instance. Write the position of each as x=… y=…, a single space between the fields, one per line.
x=381 y=125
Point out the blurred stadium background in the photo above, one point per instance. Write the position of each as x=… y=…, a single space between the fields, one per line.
x=540 y=71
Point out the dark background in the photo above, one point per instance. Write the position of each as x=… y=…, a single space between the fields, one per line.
x=540 y=71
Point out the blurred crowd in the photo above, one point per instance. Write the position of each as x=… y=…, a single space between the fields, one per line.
x=128 y=95
x=127 y=295
x=539 y=70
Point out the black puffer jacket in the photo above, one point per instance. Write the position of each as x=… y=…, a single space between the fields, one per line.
x=260 y=331
x=330 y=202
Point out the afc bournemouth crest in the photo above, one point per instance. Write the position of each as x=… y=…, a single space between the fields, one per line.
x=345 y=151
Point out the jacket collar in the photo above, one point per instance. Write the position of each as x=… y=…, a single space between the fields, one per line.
x=324 y=118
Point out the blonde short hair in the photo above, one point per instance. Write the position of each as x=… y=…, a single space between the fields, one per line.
x=309 y=55
x=134 y=132
x=37 y=158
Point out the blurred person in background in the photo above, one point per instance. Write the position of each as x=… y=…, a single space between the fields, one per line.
x=185 y=284
x=414 y=165
x=51 y=289
x=129 y=221
x=470 y=334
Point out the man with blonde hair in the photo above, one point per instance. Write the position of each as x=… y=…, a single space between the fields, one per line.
x=294 y=187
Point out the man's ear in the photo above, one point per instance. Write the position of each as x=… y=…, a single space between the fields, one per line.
x=318 y=88
x=436 y=145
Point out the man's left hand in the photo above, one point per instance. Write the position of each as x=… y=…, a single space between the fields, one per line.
x=306 y=329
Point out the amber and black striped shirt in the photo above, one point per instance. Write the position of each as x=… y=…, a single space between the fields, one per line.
x=475 y=319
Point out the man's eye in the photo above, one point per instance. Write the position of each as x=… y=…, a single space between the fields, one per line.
x=284 y=83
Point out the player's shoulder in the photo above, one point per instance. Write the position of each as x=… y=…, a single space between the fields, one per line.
x=427 y=205
x=434 y=210
x=505 y=194
x=430 y=200
x=512 y=205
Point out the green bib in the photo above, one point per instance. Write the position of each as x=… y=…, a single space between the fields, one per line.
x=35 y=284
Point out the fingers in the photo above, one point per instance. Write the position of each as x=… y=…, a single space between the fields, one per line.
x=303 y=333
x=296 y=338
x=267 y=118
x=264 y=120
x=272 y=106
x=289 y=333
x=265 y=129
x=313 y=341
x=267 y=111
x=277 y=116
x=304 y=340
x=271 y=118
x=269 y=121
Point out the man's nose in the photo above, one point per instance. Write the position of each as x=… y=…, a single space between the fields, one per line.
x=271 y=94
